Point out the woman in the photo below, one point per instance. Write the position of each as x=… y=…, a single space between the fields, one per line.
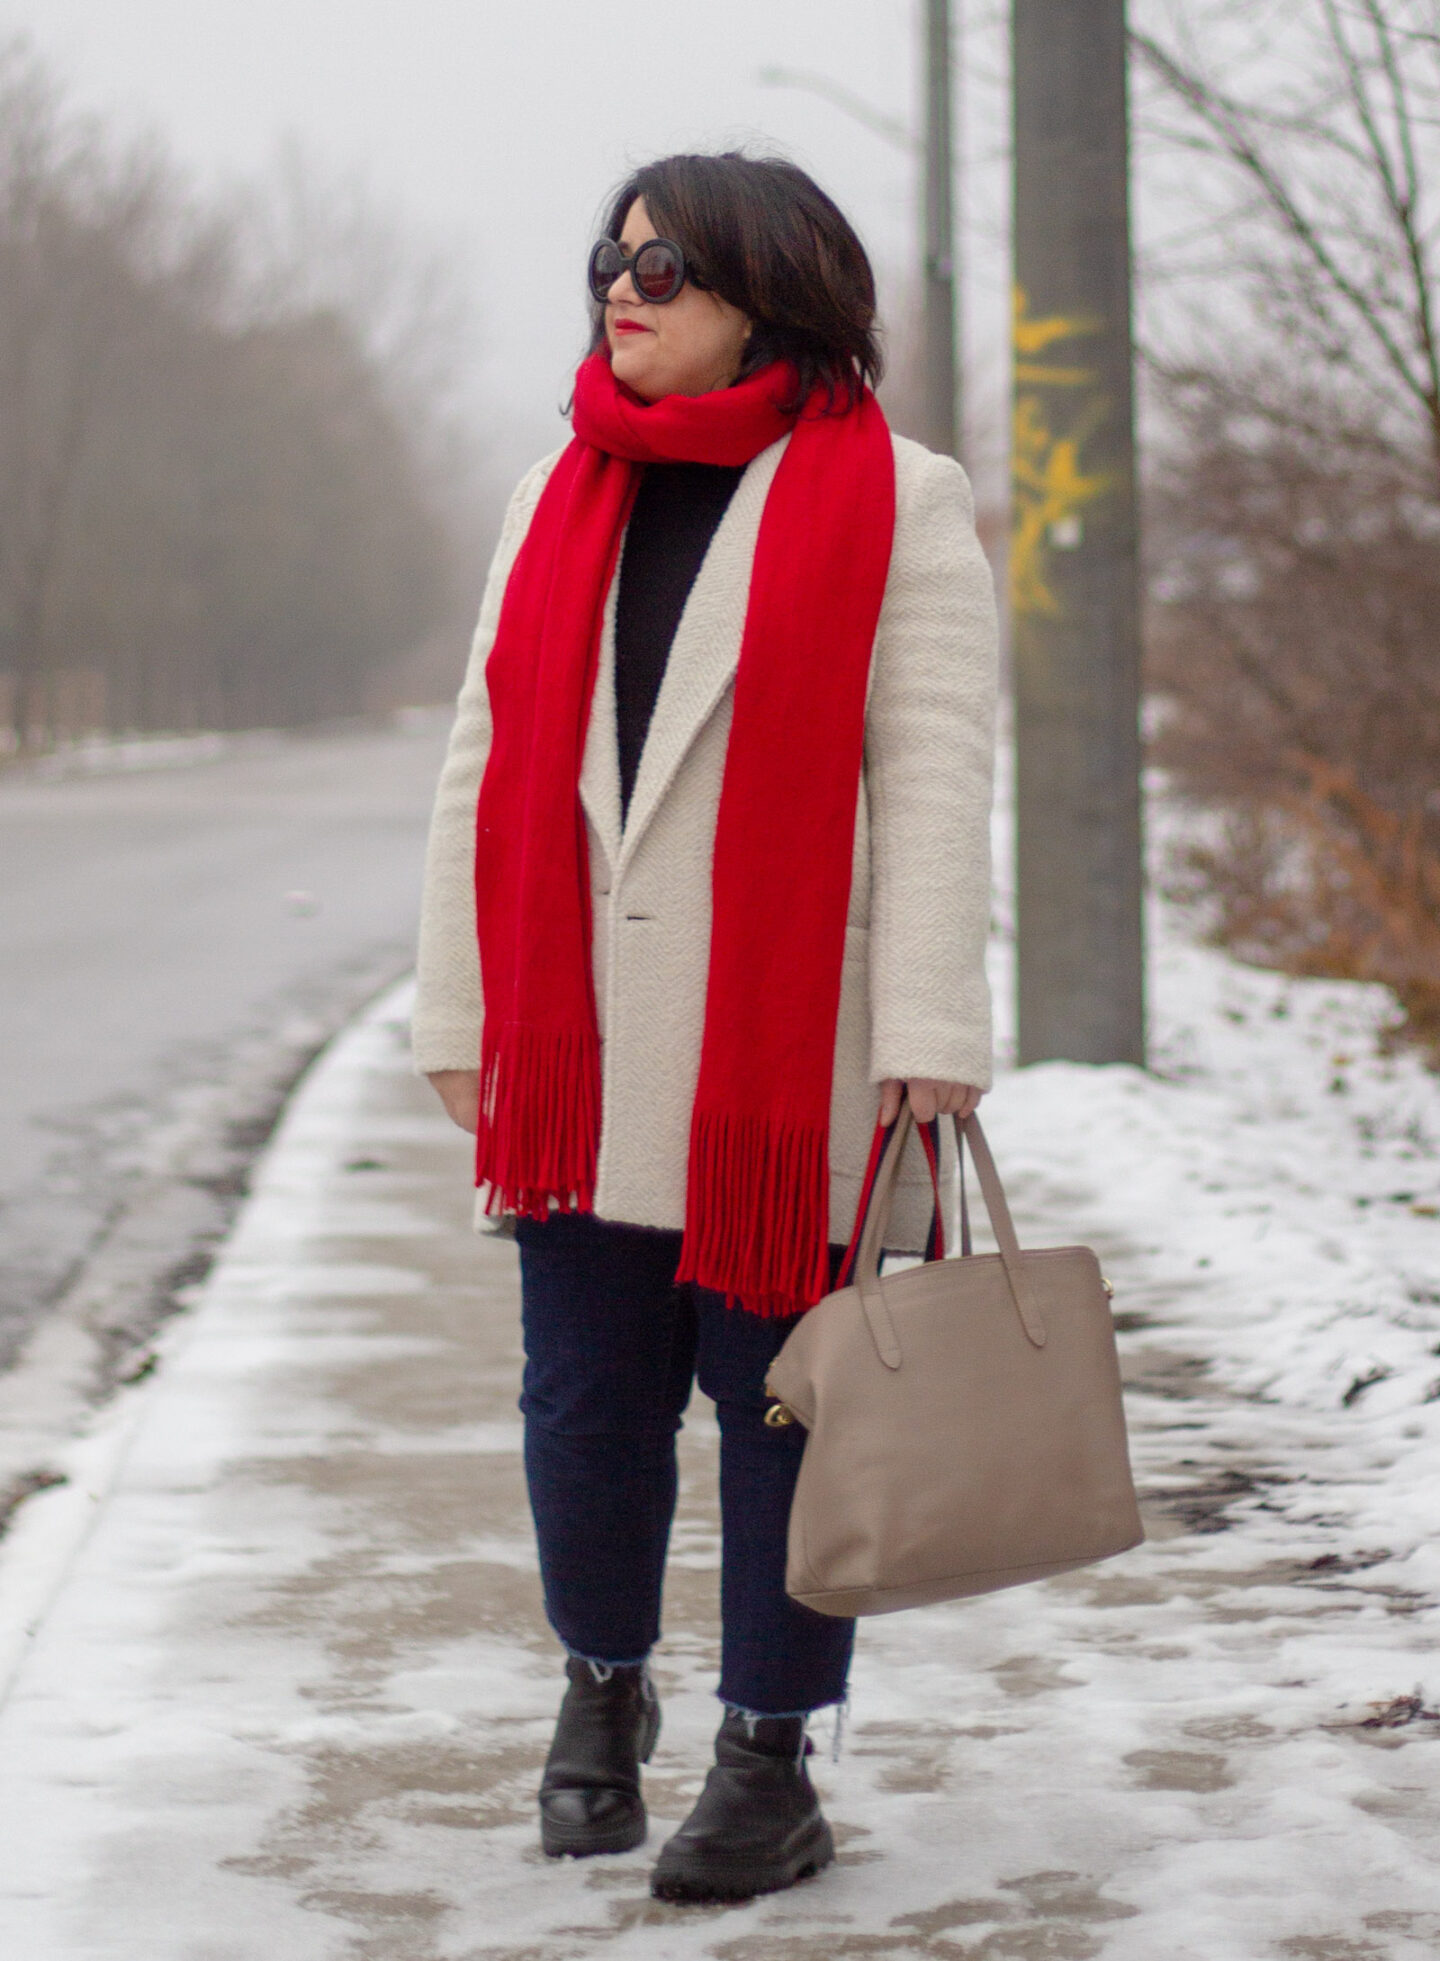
x=716 y=807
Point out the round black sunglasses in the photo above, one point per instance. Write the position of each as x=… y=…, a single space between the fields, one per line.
x=657 y=269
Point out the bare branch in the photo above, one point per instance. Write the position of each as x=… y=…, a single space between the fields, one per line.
x=1324 y=283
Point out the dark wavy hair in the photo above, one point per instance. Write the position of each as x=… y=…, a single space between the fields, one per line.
x=764 y=236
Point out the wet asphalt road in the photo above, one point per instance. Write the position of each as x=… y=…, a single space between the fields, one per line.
x=173 y=942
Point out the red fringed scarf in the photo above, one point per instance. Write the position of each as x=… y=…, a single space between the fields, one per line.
x=757 y=1208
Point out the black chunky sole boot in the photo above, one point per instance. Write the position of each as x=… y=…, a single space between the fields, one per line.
x=756 y=1827
x=590 y=1793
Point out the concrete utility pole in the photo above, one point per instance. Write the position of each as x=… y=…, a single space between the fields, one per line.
x=943 y=419
x=1073 y=561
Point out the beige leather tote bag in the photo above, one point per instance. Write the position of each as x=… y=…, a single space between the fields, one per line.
x=965 y=1424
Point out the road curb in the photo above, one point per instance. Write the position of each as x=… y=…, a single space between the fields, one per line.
x=49 y=1427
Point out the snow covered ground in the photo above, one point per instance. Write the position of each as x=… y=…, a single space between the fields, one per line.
x=1277 y=1176
x=289 y=1687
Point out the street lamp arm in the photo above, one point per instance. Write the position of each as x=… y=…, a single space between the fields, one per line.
x=889 y=127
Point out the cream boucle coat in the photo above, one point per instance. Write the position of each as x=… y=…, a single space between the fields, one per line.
x=914 y=1000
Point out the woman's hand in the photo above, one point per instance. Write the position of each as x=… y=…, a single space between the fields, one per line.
x=459 y=1091
x=928 y=1098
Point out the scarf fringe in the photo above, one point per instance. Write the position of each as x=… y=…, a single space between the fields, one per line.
x=539 y=1119
x=757 y=1212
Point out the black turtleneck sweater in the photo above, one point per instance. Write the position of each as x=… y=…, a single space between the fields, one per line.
x=677 y=511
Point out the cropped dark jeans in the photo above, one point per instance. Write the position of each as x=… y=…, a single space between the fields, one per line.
x=612 y=1347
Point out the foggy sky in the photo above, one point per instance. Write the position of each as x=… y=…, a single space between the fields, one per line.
x=500 y=127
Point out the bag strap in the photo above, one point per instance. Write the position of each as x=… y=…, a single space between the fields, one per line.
x=935 y=1243
x=880 y=1181
x=1003 y=1227
x=883 y=1133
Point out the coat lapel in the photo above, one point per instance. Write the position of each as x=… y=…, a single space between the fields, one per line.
x=703 y=657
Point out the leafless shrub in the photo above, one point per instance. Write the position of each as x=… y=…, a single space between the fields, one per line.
x=1293 y=631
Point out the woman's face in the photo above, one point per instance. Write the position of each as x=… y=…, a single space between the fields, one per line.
x=689 y=346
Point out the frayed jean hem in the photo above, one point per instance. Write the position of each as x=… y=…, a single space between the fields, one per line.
x=750 y=1717
x=602 y=1667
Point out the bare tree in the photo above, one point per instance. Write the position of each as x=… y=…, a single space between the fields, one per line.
x=1296 y=531
x=222 y=498
x=317 y=241
x=1335 y=231
x=69 y=304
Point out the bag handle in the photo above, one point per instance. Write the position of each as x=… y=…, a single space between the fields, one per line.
x=935 y=1243
x=867 y=1257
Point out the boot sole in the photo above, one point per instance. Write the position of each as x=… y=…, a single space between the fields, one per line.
x=692 y=1877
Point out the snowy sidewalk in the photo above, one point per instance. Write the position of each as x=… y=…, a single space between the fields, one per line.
x=293 y=1688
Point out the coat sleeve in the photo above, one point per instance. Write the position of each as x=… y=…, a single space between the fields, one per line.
x=445 y=1024
x=929 y=759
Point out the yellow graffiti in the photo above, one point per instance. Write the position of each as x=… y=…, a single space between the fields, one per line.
x=1034 y=336
x=1051 y=489
x=1034 y=373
